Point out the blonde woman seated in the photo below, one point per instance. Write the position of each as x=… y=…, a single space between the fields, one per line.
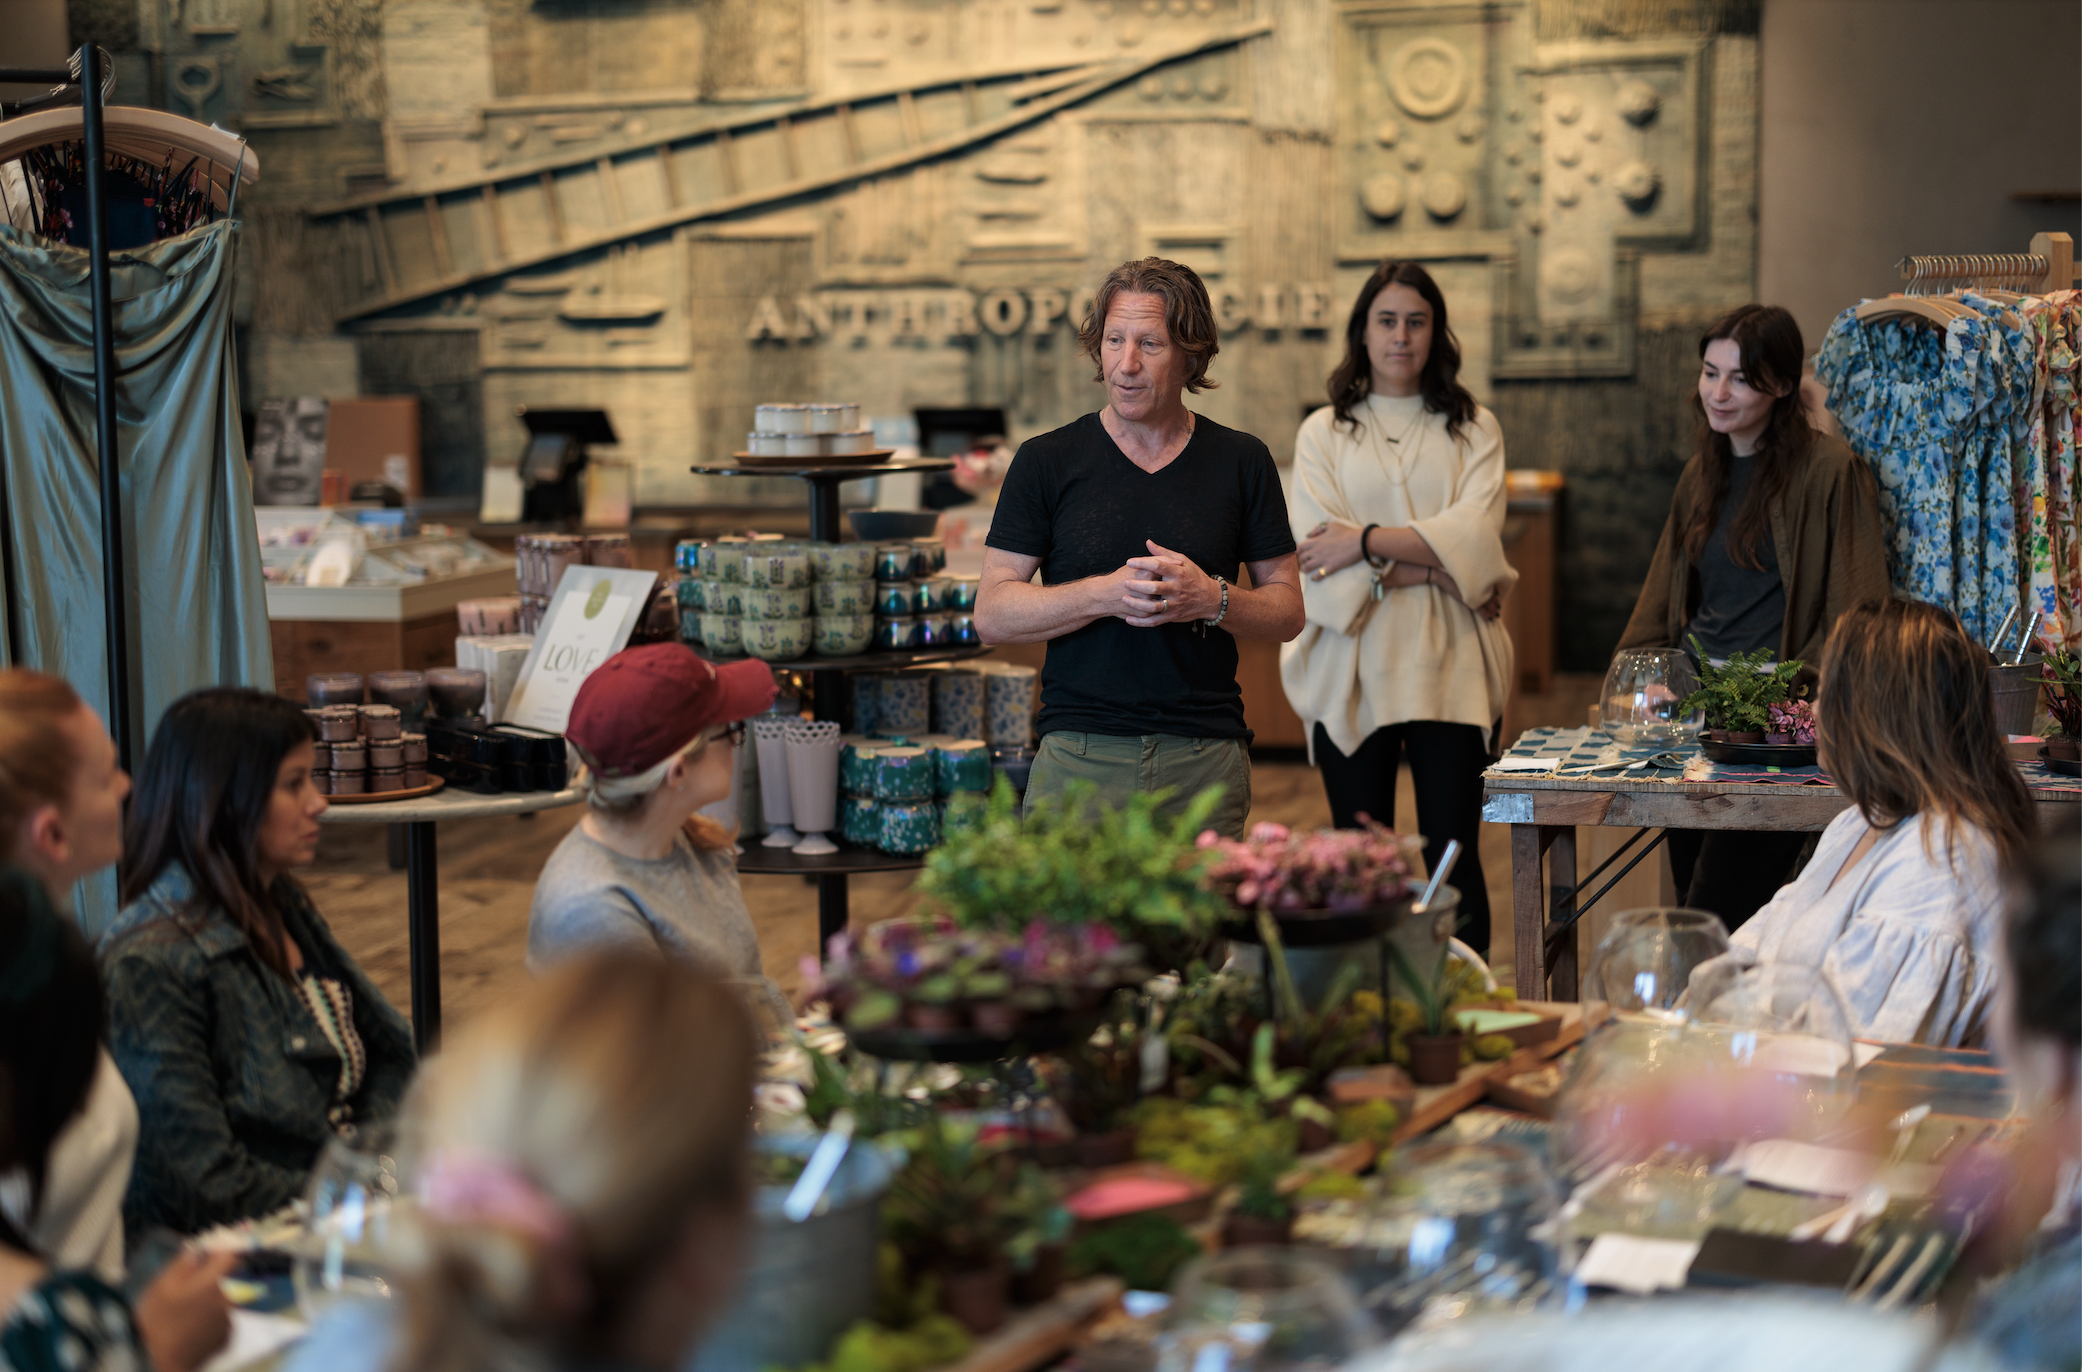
x=658 y=728
x=581 y=1164
x=1902 y=902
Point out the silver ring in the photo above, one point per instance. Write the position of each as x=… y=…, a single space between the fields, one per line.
x=1165 y=601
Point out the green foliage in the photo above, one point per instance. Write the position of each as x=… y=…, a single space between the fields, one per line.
x=2062 y=673
x=1492 y=1047
x=1214 y=1143
x=1102 y=1077
x=1145 y=1251
x=1076 y=860
x=841 y=1081
x=1430 y=994
x=1374 y=1121
x=959 y=1201
x=1738 y=696
x=866 y=1346
x=1331 y=1186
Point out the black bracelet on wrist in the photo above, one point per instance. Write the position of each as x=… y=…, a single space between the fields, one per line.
x=1371 y=560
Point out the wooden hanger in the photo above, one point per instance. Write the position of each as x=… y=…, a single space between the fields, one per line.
x=145 y=134
x=1928 y=308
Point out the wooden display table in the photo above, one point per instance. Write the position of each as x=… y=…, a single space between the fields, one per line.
x=1544 y=813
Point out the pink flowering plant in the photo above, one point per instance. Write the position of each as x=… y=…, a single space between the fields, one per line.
x=871 y=980
x=1275 y=869
x=1792 y=721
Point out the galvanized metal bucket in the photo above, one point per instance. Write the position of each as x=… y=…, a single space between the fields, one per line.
x=2016 y=694
x=805 y=1283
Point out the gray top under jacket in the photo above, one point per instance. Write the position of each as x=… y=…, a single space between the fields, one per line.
x=687 y=903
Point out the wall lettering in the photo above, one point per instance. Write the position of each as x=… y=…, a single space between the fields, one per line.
x=861 y=317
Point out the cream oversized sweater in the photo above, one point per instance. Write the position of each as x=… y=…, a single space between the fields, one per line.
x=1418 y=653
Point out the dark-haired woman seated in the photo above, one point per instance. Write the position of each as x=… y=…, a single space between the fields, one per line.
x=249 y=1037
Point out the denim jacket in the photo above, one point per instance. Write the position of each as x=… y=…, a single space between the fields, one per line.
x=232 y=1074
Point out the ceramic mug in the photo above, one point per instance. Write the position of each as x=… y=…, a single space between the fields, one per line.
x=932 y=632
x=843 y=635
x=722 y=633
x=723 y=598
x=774 y=603
x=777 y=568
x=844 y=597
x=843 y=561
x=777 y=640
x=692 y=593
x=961 y=593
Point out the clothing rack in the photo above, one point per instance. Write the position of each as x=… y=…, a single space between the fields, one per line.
x=87 y=72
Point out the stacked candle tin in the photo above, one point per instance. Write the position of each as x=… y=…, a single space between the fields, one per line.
x=828 y=428
x=366 y=750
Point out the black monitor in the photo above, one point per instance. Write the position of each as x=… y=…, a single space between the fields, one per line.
x=946 y=433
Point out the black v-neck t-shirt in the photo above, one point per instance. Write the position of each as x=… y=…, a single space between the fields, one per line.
x=1074 y=500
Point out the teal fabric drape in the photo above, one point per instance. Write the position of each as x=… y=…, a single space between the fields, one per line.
x=196 y=601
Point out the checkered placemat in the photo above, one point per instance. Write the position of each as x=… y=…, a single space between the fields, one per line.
x=1579 y=749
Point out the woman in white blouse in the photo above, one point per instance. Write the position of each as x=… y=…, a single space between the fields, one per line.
x=1398 y=501
x=1902 y=901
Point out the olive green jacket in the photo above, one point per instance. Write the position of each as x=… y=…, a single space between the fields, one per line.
x=1832 y=554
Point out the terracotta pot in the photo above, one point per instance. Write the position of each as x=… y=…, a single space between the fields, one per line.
x=1777 y=740
x=1239 y=1231
x=1109 y=1149
x=1717 y=735
x=2065 y=748
x=976 y=1296
x=1434 y=1061
x=932 y=1018
x=1746 y=736
x=1041 y=1281
x=997 y=1018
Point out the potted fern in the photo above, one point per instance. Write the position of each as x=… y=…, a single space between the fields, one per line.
x=1737 y=696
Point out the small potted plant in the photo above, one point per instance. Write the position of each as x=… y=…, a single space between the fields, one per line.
x=1263 y=1215
x=1792 y=721
x=1312 y=872
x=956 y=1209
x=2063 y=685
x=1098 y=1085
x=1435 y=1052
x=1738 y=695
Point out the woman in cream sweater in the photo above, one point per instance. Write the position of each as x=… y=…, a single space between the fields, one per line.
x=1398 y=501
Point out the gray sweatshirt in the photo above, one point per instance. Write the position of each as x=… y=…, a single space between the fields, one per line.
x=687 y=903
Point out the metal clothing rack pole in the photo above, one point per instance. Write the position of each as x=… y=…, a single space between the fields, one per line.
x=89 y=82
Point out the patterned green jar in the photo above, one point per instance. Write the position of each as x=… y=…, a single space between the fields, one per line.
x=961 y=766
x=903 y=774
x=910 y=827
x=860 y=821
x=856 y=767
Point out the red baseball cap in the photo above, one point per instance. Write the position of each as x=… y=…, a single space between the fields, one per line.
x=644 y=704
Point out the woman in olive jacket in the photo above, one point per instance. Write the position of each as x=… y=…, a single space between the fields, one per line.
x=248 y=1035
x=1775 y=531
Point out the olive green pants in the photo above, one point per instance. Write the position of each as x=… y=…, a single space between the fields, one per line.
x=1120 y=765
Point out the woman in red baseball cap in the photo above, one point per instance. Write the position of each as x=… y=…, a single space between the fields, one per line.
x=657 y=729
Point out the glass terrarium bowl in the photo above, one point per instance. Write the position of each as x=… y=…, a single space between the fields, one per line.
x=1652 y=1117
x=1647 y=957
x=1262 y=1309
x=1641 y=701
x=1458 y=1229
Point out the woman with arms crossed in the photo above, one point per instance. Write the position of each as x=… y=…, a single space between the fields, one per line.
x=1399 y=502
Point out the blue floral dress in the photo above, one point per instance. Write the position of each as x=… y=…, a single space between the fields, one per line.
x=1944 y=418
x=71 y=1322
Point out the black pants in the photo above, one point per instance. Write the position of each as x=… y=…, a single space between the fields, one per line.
x=1446 y=762
x=1732 y=873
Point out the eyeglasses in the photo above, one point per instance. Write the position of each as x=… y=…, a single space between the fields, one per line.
x=732 y=733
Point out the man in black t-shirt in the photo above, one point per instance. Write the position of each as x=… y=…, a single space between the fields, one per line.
x=1139 y=518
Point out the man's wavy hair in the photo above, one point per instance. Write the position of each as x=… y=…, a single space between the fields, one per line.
x=1188 y=314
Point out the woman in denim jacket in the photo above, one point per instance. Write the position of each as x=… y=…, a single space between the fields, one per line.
x=248 y=1035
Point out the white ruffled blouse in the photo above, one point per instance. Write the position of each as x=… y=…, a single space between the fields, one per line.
x=1911 y=935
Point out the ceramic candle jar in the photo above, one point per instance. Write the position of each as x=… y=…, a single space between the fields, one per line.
x=776 y=640
x=415 y=775
x=843 y=635
x=931 y=632
x=892 y=599
x=766 y=445
x=723 y=598
x=456 y=691
x=910 y=827
x=960 y=593
x=381 y=722
x=686 y=556
x=722 y=633
x=905 y=706
x=860 y=821
x=349 y=783
x=958 y=703
x=774 y=603
x=406 y=691
x=350 y=757
x=928 y=556
x=893 y=562
x=786 y=569
x=843 y=561
x=961 y=766
x=856 y=767
x=903 y=774
x=339 y=723
x=414 y=748
x=723 y=559
x=781 y=419
x=333 y=688
x=384 y=756
x=386 y=779
x=962 y=632
x=843 y=597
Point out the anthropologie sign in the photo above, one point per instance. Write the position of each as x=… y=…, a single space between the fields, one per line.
x=931 y=315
